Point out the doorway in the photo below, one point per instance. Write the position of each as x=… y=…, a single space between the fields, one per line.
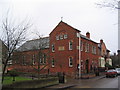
x=87 y=66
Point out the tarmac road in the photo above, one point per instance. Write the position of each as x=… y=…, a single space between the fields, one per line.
x=99 y=83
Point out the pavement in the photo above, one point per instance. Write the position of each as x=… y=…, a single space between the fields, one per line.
x=72 y=83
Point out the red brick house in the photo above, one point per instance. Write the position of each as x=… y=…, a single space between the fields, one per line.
x=89 y=54
x=62 y=52
x=104 y=54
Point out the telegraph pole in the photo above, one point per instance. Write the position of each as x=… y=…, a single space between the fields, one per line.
x=118 y=33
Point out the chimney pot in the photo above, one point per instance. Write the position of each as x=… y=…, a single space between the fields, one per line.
x=101 y=41
x=118 y=51
x=88 y=35
x=114 y=54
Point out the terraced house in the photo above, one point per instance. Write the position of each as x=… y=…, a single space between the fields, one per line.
x=65 y=50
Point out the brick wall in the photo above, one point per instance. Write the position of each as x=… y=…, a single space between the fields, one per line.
x=23 y=61
x=60 y=55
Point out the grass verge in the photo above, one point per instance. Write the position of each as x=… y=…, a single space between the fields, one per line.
x=9 y=80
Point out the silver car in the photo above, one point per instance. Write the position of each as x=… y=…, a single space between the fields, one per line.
x=118 y=71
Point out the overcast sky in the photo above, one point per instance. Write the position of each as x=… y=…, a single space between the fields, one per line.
x=84 y=15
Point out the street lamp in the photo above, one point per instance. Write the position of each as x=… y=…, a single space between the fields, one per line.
x=79 y=54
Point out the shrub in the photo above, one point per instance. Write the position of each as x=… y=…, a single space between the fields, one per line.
x=13 y=73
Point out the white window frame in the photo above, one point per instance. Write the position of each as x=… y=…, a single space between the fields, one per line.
x=85 y=47
x=33 y=60
x=61 y=37
x=53 y=62
x=81 y=45
x=70 y=46
x=88 y=47
x=65 y=36
x=53 y=48
x=57 y=37
x=70 y=58
x=94 y=50
x=41 y=61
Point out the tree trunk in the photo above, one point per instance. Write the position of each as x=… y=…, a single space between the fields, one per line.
x=4 y=68
x=3 y=72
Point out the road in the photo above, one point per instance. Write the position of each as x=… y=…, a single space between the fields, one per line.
x=99 y=83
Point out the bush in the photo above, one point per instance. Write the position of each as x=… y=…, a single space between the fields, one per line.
x=108 y=65
x=13 y=73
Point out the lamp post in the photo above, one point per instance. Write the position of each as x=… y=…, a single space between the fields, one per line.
x=79 y=56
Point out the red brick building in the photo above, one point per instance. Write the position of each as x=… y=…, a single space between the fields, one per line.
x=32 y=56
x=62 y=52
x=104 y=54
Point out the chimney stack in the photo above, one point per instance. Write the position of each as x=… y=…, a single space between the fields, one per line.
x=101 y=41
x=114 y=54
x=88 y=35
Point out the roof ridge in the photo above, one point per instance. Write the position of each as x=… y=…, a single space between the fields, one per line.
x=70 y=26
x=38 y=39
x=87 y=38
x=65 y=24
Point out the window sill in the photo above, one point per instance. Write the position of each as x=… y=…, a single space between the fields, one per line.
x=71 y=66
x=53 y=66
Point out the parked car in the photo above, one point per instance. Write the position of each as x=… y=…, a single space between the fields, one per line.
x=118 y=71
x=111 y=73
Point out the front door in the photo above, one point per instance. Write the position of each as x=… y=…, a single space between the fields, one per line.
x=87 y=66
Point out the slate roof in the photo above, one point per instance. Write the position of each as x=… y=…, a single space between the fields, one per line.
x=35 y=44
x=82 y=36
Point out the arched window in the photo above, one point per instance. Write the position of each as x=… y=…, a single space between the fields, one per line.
x=70 y=61
x=53 y=48
x=70 y=45
x=53 y=62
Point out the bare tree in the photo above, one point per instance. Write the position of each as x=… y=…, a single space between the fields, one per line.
x=14 y=34
x=41 y=55
x=113 y=4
